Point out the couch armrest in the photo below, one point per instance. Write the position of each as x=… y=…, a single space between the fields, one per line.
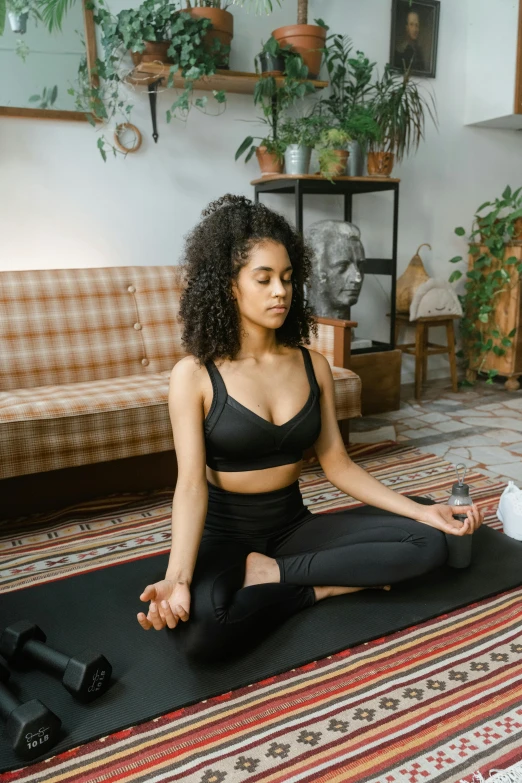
x=342 y=339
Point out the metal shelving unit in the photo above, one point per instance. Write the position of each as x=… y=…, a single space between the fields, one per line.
x=347 y=187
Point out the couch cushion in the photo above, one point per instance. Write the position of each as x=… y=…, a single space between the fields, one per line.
x=59 y=426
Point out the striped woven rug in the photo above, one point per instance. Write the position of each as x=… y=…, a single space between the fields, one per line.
x=440 y=701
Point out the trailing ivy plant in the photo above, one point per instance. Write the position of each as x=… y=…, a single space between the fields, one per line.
x=104 y=97
x=488 y=278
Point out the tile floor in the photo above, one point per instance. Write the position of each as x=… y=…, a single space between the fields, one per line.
x=480 y=426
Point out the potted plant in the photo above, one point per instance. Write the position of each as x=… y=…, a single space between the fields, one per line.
x=398 y=107
x=492 y=272
x=145 y=31
x=271 y=59
x=350 y=90
x=275 y=96
x=105 y=97
x=299 y=136
x=333 y=152
x=18 y=13
x=222 y=22
x=218 y=38
x=306 y=39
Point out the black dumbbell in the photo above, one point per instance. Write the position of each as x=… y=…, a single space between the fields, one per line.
x=85 y=675
x=32 y=727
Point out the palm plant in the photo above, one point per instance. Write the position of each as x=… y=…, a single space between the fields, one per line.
x=398 y=107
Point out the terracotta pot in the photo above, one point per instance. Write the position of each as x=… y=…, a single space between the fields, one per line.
x=222 y=27
x=338 y=169
x=517 y=234
x=380 y=164
x=305 y=39
x=268 y=162
x=155 y=51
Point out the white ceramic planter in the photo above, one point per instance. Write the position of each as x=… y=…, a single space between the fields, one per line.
x=18 y=22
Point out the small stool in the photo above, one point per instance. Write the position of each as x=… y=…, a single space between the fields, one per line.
x=421 y=348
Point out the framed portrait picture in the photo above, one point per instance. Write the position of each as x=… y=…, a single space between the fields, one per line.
x=414 y=35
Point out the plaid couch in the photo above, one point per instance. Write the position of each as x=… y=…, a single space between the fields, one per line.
x=85 y=361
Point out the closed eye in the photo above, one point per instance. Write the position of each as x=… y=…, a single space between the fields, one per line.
x=264 y=282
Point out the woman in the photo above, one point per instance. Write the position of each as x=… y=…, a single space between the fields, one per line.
x=245 y=403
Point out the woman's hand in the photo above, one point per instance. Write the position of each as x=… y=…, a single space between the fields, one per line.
x=169 y=603
x=440 y=516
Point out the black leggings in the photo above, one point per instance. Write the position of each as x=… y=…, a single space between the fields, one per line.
x=363 y=546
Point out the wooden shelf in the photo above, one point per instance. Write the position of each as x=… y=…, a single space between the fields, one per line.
x=271 y=177
x=241 y=82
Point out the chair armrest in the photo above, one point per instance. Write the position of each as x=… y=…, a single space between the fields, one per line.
x=342 y=339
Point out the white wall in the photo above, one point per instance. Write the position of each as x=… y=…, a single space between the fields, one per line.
x=62 y=206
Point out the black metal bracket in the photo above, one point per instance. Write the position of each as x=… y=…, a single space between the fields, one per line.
x=153 y=96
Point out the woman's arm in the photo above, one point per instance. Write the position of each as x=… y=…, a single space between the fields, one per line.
x=189 y=510
x=190 y=502
x=355 y=481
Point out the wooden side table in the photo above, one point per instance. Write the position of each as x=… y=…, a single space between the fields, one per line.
x=421 y=348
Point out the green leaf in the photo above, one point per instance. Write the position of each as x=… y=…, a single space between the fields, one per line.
x=485 y=204
x=484 y=317
x=53 y=11
x=455 y=276
x=506 y=342
x=34 y=98
x=2 y=16
x=460 y=231
x=244 y=146
x=100 y=145
x=455 y=260
x=507 y=192
x=512 y=332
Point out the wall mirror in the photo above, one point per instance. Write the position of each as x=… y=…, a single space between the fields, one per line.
x=43 y=65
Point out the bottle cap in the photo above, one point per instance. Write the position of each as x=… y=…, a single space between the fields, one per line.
x=460 y=490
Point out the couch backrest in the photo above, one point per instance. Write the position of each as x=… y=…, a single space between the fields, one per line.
x=70 y=325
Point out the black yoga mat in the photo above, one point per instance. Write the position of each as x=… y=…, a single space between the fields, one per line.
x=152 y=676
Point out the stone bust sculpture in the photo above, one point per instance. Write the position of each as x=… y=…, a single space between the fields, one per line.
x=338 y=267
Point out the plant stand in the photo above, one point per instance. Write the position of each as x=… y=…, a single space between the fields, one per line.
x=508 y=316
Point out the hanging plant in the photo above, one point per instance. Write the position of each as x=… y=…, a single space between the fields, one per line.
x=105 y=97
x=491 y=275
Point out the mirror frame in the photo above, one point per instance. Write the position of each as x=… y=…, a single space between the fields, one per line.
x=64 y=114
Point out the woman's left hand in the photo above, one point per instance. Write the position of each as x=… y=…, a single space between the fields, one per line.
x=440 y=516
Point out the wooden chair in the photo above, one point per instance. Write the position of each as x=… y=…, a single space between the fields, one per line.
x=421 y=348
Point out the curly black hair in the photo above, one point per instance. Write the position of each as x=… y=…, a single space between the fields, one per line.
x=216 y=250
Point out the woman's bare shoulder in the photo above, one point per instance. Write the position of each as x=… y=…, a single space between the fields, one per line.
x=320 y=364
x=189 y=370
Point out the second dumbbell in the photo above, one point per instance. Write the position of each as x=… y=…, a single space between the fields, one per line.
x=31 y=726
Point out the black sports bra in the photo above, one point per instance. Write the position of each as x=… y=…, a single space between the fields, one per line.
x=237 y=439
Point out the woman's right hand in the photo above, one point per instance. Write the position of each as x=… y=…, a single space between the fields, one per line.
x=176 y=598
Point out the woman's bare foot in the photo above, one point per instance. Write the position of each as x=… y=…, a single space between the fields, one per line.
x=328 y=592
x=260 y=569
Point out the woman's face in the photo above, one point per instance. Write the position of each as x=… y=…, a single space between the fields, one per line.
x=264 y=282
